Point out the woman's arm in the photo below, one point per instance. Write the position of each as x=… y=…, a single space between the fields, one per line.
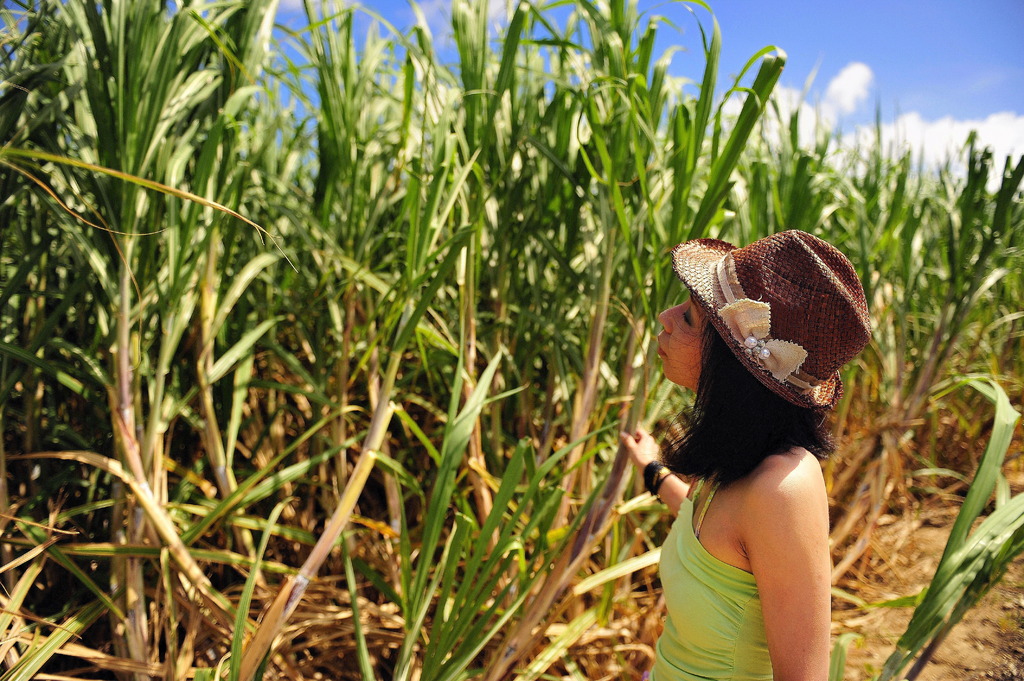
x=642 y=450
x=784 y=533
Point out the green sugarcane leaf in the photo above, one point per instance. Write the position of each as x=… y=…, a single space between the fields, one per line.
x=837 y=665
x=558 y=646
x=1005 y=420
x=967 y=558
x=453 y=446
x=46 y=367
x=33 y=661
x=239 y=283
x=721 y=170
x=362 y=648
x=240 y=350
x=242 y=622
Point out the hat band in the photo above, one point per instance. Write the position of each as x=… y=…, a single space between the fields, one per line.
x=749 y=322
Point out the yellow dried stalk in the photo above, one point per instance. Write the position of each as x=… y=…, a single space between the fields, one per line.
x=294 y=587
x=162 y=523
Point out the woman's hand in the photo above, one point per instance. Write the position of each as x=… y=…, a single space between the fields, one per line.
x=641 y=447
x=642 y=450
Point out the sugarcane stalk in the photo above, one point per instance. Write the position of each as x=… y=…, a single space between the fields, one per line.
x=6 y=551
x=341 y=377
x=595 y=525
x=294 y=587
x=211 y=434
x=466 y=280
x=135 y=625
x=586 y=396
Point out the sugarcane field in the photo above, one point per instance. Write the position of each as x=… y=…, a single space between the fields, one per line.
x=323 y=341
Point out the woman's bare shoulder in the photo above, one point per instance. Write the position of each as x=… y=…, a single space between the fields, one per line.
x=788 y=481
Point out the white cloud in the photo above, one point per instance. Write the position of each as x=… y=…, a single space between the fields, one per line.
x=845 y=94
x=935 y=142
x=499 y=11
x=792 y=101
x=849 y=89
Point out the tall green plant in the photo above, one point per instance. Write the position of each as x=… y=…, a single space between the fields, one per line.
x=972 y=561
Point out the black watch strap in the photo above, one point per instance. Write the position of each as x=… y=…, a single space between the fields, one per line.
x=654 y=474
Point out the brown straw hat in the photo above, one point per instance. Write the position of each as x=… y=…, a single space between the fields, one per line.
x=790 y=306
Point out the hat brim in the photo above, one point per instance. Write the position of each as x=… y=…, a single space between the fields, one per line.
x=695 y=263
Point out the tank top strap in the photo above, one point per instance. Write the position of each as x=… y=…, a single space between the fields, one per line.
x=697 y=487
x=705 y=507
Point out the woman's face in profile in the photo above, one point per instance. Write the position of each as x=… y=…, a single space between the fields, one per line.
x=679 y=345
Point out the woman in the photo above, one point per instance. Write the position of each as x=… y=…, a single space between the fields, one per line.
x=746 y=567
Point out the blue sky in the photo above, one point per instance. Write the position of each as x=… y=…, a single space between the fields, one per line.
x=936 y=68
x=939 y=58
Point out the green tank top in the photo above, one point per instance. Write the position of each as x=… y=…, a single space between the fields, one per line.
x=714 y=628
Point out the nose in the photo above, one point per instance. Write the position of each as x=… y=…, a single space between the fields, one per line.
x=667 y=317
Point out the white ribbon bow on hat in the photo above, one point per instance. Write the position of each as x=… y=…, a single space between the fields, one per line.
x=750 y=321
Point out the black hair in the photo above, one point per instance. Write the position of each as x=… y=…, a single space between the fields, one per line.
x=736 y=421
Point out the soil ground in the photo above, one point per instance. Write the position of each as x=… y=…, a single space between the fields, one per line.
x=987 y=644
